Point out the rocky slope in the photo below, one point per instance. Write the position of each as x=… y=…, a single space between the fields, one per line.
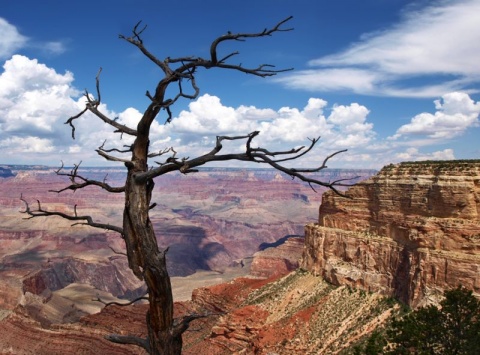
x=411 y=231
x=20 y=334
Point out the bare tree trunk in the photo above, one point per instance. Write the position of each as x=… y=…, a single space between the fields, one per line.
x=144 y=257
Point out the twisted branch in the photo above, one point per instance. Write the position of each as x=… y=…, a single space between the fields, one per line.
x=188 y=65
x=75 y=185
x=107 y=304
x=87 y=220
x=256 y=155
x=92 y=106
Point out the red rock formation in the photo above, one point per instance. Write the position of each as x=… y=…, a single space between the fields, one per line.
x=278 y=260
x=411 y=231
x=209 y=220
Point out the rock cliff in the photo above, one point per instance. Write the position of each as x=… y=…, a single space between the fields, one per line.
x=411 y=231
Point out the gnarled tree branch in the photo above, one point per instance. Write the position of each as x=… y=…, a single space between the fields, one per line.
x=87 y=220
x=73 y=175
x=145 y=258
x=107 y=304
x=92 y=106
x=256 y=155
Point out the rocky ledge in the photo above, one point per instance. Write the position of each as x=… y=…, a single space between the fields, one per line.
x=411 y=231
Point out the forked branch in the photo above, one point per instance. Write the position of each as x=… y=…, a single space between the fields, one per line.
x=81 y=220
x=256 y=155
x=79 y=182
x=91 y=105
x=107 y=304
x=184 y=68
x=242 y=36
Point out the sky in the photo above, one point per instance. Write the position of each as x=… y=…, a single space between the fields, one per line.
x=389 y=80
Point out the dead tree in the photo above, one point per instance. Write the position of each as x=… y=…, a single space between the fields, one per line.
x=145 y=258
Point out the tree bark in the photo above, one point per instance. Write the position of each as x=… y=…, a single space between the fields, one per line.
x=144 y=257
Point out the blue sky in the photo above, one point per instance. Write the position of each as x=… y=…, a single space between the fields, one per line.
x=391 y=80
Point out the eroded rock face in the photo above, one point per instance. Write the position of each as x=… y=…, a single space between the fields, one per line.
x=278 y=260
x=23 y=335
x=411 y=231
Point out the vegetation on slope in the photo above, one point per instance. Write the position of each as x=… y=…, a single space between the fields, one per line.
x=451 y=328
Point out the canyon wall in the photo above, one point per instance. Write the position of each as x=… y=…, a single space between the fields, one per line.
x=411 y=231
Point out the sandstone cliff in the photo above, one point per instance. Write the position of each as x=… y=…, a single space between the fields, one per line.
x=411 y=231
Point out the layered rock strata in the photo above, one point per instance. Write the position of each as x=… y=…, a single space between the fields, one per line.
x=411 y=231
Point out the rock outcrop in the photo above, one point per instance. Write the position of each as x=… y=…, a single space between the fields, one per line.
x=20 y=334
x=411 y=231
x=277 y=258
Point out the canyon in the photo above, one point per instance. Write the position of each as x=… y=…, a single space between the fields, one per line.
x=271 y=272
x=212 y=221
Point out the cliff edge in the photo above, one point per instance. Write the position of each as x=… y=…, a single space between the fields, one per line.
x=411 y=231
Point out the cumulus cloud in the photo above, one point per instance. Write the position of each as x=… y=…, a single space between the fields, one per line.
x=32 y=97
x=413 y=154
x=35 y=101
x=10 y=40
x=441 y=39
x=24 y=145
x=456 y=112
x=195 y=128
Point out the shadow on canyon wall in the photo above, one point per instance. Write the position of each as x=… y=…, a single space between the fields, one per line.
x=189 y=250
x=277 y=243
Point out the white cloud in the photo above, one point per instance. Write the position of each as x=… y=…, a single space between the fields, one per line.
x=10 y=40
x=413 y=154
x=32 y=96
x=356 y=80
x=54 y=47
x=442 y=39
x=17 y=145
x=456 y=112
x=35 y=101
x=194 y=131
